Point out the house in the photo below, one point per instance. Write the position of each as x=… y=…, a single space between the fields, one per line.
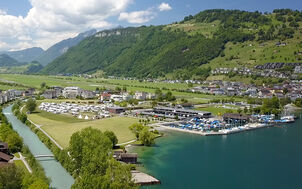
x=116 y=110
x=129 y=158
x=71 y=92
x=50 y=94
x=125 y=157
x=87 y=94
x=3 y=147
x=3 y=98
x=4 y=155
x=116 y=98
x=29 y=92
x=236 y=118
x=105 y=97
x=140 y=95
x=58 y=90
x=298 y=69
x=126 y=96
x=151 y=96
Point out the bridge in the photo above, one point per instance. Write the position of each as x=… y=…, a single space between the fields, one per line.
x=41 y=156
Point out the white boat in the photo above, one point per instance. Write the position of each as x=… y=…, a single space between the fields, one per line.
x=288 y=119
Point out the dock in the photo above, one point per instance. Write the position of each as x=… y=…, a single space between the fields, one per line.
x=141 y=178
x=248 y=127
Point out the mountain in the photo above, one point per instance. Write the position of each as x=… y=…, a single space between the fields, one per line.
x=189 y=48
x=26 y=55
x=60 y=48
x=7 y=61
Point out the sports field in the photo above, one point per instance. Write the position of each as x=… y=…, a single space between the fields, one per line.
x=61 y=127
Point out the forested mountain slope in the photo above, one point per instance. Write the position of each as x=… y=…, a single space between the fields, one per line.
x=188 y=48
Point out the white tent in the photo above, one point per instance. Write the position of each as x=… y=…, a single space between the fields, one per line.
x=86 y=117
x=80 y=117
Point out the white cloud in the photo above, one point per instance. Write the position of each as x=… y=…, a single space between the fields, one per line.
x=48 y=22
x=2 y=12
x=164 y=7
x=137 y=17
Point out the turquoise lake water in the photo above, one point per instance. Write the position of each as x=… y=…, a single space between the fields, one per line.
x=264 y=158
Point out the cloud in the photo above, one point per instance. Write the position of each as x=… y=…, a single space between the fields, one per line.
x=48 y=22
x=164 y=7
x=137 y=17
x=2 y=12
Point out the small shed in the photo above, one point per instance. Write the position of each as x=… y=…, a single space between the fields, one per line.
x=4 y=157
x=236 y=118
x=128 y=158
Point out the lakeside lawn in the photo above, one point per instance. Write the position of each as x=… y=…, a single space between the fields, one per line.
x=61 y=127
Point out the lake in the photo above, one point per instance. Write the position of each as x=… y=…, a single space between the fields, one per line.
x=263 y=158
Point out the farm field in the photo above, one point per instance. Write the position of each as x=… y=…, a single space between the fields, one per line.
x=61 y=127
x=91 y=84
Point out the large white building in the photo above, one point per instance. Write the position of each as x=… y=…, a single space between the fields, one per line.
x=72 y=92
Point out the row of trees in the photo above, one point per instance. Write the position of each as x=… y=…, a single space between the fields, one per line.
x=13 y=176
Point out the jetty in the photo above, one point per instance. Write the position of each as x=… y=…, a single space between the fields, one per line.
x=141 y=178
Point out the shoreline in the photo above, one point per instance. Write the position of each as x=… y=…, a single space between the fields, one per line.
x=247 y=127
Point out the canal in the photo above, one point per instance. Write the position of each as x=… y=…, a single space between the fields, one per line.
x=60 y=178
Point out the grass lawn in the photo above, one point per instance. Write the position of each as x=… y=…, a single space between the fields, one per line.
x=215 y=110
x=61 y=127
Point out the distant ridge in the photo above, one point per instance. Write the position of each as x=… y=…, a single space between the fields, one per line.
x=7 y=61
x=60 y=48
x=26 y=55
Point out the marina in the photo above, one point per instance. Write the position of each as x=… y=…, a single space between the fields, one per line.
x=231 y=124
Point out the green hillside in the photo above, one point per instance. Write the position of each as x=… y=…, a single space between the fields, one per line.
x=190 y=48
x=28 y=68
x=7 y=61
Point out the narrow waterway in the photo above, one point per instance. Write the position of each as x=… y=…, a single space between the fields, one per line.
x=259 y=159
x=60 y=178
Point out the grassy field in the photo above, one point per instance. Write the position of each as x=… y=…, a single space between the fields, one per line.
x=249 y=54
x=216 y=110
x=91 y=84
x=61 y=127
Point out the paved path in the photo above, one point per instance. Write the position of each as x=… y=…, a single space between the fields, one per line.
x=53 y=140
x=25 y=163
x=121 y=144
x=39 y=127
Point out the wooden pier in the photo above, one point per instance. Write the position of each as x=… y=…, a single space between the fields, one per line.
x=141 y=178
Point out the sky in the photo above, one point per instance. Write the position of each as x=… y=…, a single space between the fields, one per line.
x=42 y=23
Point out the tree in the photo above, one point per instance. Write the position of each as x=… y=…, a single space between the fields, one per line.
x=31 y=105
x=38 y=184
x=154 y=103
x=146 y=137
x=169 y=96
x=10 y=177
x=90 y=148
x=112 y=137
x=43 y=85
x=124 y=89
x=136 y=128
x=14 y=142
x=91 y=152
x=118 y=176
